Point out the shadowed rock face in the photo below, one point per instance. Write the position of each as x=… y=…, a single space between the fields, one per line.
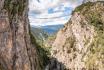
x=16 y=51
x=80 y=44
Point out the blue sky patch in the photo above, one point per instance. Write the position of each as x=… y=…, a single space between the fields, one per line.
x=51 y=12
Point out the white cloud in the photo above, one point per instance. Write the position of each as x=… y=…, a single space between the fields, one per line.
x=44 y=5
x=41 y=16
x=43 y=22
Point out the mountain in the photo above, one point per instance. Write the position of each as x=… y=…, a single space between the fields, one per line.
x=45 y=35
x=52 y=29
x=80 y=44
x=17 y=50
x=39 y=34
x=49 y=29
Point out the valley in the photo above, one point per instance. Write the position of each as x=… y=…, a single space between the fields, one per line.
x=76 y=45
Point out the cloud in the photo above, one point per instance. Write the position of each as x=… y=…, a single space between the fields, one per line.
x=42 y=12
x=42 y=22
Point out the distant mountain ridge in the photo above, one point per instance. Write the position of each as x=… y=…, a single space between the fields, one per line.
x=39 y=34
x=50 y=29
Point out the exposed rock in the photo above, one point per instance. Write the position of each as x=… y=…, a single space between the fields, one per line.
x=16 y=51
x=80 y=44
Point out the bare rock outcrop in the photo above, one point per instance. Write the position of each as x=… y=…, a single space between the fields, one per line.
x=16 y=51
x=80 y=44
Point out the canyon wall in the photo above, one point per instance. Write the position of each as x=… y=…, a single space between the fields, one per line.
x=16 y=50
x=80 y=44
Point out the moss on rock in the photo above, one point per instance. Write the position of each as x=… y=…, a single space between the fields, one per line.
x=15 y=7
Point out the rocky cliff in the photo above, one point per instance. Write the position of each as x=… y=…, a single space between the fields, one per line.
x=80 y=44
x=16 y=50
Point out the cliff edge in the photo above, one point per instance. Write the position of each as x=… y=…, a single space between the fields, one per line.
x=80 y=44
x=16 y=50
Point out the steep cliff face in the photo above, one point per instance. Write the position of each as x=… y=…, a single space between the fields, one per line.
x=80 y=44
x=16 y=50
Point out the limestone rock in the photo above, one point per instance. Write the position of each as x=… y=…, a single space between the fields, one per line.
x=16 y=51
x=80 y=44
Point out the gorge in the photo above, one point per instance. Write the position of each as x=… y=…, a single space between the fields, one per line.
x=79 y=45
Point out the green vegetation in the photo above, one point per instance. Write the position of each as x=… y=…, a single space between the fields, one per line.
x=39 y=34
x=52 y=37
x=49 y=41
x=71 y=41
x=93 y=14
x=15 y=7
x=40 y=37
x=42 y=52
x=86 y=6
x=96 y=51
x=94 y=18
x=1 y=67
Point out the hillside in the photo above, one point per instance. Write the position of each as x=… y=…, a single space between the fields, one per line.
x=45 y=35
x=52 y=29
x=80 y=44
x=39 y=34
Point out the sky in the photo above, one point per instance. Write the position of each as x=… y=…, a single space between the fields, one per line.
x=51 y=12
